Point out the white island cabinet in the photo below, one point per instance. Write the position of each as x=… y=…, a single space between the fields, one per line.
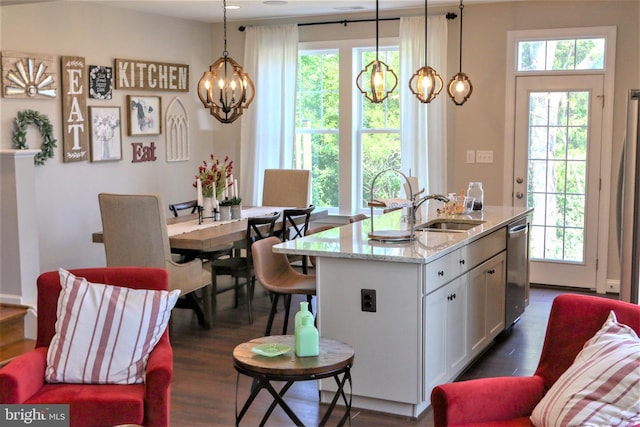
x=416 y=313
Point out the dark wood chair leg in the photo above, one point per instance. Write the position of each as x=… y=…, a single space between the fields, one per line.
x=287 y=309
x=272 y=314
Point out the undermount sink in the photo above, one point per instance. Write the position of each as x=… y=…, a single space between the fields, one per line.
x=450 y=225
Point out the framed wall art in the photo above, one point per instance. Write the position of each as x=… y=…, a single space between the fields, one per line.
x=100 y=82
x=144 y=115
x=106 y=134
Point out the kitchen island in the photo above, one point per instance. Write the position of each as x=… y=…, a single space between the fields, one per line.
x=416 y=312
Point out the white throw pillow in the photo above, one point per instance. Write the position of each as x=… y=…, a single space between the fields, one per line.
x=104 y=333
x=601 y=387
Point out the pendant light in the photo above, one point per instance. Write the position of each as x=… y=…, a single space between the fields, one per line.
x=460 y=87
x=425 y=83
x=380 y=72
x=226 y=90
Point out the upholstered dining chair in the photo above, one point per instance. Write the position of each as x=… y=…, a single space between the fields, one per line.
x=286 y=188
x=600 y=373
x=240 y=265
x=22 y=381
x=295 y=223
x=188 y=254
x=134 y=230
x=275 y=273
x=315 y=230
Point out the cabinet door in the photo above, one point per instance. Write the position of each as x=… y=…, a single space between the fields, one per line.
x=496 y=285
x=485 y=300
x=477 y=303
x=456 y=315
x=445 y=333
x=435 y=315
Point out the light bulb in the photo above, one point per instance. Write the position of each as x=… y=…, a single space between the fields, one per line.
x=460 y=86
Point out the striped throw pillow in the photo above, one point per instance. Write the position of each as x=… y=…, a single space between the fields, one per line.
x=601 y=387
x=104 y=333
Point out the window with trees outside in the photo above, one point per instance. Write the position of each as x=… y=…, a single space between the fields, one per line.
x=372 y=137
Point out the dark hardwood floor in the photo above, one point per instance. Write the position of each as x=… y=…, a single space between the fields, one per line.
x=204 y=383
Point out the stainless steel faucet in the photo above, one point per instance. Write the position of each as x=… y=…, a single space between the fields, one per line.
x=440 y=197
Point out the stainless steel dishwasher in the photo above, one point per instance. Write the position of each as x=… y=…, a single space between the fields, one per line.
x=517 y=292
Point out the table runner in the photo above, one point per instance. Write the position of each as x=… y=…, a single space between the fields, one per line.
x=192 y=225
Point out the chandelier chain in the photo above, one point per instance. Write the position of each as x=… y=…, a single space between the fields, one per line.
x=461 y=7
x=225 y=53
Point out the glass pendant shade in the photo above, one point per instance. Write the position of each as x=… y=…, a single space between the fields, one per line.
x=226 y=90
x=426 y=84
x=375 y=86
x=460 y=88
x=380 y=76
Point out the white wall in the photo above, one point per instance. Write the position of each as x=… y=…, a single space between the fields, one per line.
x=66 y=193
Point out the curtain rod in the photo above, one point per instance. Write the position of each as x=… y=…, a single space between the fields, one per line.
x=448 y=15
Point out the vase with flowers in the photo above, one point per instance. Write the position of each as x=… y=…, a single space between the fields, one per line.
x=215 y=177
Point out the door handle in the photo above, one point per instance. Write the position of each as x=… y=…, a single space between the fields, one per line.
x=519 y=195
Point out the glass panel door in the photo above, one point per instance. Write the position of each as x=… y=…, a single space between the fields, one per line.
x=558 y=121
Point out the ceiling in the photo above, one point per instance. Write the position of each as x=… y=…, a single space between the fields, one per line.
x=212 y=11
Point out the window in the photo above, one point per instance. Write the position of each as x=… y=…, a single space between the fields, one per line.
x=345 y=146
x=317 y=112
x=556 y=55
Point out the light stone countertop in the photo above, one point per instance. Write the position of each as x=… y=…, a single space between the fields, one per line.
x=351 y=240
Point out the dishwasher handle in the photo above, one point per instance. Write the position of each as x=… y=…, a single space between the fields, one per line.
x=517 y=231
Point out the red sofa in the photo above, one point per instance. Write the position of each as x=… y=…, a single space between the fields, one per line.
x=509 y=401
x=23 y=380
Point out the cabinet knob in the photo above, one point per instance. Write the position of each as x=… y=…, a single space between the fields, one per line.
x=492 y=271
x=462 y=261
x=441 y=273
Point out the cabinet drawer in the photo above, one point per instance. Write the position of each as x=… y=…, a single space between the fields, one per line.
x=442 y=270
x=484 y=248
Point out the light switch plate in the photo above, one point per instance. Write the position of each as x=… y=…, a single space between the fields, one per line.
x=471 y=156
x=484 y=156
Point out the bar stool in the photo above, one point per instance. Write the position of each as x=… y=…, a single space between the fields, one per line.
x=277 y=276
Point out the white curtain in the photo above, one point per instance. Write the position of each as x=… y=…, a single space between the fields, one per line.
x=423 y=126
x=268 y=125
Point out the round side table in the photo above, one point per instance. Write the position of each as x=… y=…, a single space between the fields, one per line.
x=335 y=360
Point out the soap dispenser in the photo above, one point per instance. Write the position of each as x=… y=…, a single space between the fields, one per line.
x=307 y=338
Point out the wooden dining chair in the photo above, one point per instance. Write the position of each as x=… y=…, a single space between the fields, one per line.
x=277 y=276
x=190 y=254
x=357 y=217
x=240 y=265
x=315 y=230
x=295 y=223
x=177 y=207
x=135 y=233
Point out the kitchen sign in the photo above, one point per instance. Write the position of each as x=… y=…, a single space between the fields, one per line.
x=145 y=75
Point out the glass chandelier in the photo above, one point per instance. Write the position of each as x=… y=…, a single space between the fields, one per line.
x=425 y=83
x=379 y=72
x=460 y=87
x=226 y=90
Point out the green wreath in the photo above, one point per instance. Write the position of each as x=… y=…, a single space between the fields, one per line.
x=19 y=138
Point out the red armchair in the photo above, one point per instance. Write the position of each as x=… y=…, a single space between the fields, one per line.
x=23 y=380
x=509 y=401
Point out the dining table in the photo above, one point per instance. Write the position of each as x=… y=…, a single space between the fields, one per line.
x=187 y=232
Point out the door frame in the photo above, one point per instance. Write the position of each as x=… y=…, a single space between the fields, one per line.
x=604 y=216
